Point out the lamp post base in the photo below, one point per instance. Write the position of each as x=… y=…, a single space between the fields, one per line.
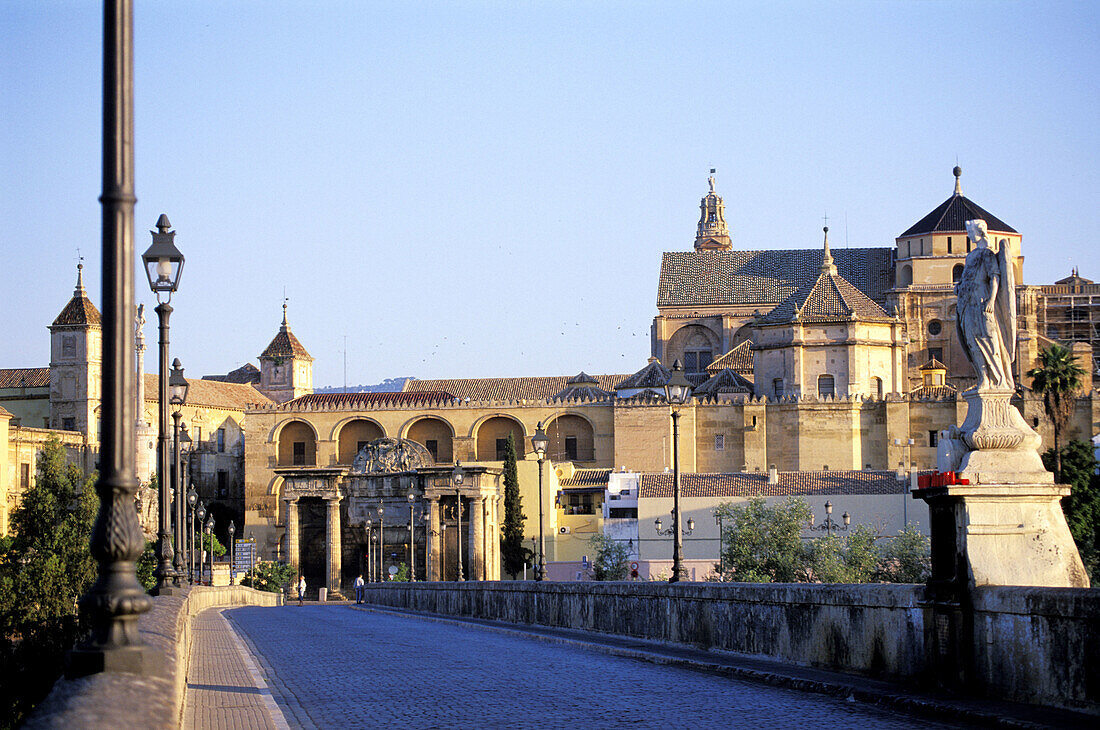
x=143 y=660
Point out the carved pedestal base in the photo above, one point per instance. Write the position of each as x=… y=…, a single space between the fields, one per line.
x=1003 y=534
x=1000 y=447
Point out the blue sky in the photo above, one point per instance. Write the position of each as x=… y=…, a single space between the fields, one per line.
x=477 y=189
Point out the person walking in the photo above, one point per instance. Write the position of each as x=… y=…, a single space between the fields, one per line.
x=359 y=589
x=301 y=589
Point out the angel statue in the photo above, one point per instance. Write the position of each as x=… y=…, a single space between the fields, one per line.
x=986 y=320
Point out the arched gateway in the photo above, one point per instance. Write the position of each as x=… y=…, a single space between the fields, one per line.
x=331 y=513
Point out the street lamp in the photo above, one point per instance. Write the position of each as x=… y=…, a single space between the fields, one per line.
x=659 y=526
x=456 y=478
x=830 y=525
x=177 y=387
x=721 y=562
x=163 y=266
x=381 y=541
x=251 y=552
x=370 y=564
x=232 y=553
x=677 y=392
x=183 y=478
x=904 y=471
x=210 y=542
x=540 y=442
x=201 y=514
x=412 y=537
x=192 y=502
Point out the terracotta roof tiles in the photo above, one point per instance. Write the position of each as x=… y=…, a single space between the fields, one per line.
x=213 y=394
x=739 y=360
x=755 y=484
x=505 y=389
x=351 y=400
x=587 y=478
x=830 y=298
x=24 y=377
x=951 y=216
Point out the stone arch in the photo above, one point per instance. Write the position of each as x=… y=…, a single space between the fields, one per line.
x=433 y=433
x=956 y=273
x=876 y=387
x=290 y=435
x=695 y=346
x=352 y=434
x=905 y=275
x=572 y=438
x=495 y=429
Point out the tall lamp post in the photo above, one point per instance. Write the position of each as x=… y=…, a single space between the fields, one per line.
x=677 y=392
x=192 y=503
x=210 y=542
x=381 y=542
x=412 y=537
x=540 y=442
x=721 y=557
x=830 y=525
x=177 y=386
x=232 y=553
x=457 y=476
x=163 y=266
x=370 y=563
x=201 y=514
x=183 y=479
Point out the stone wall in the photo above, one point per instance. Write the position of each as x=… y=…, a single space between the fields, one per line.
x=1029 y=644
x=153 y=700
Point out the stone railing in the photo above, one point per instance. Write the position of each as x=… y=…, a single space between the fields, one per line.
x=147 y=701
x=1029 y=644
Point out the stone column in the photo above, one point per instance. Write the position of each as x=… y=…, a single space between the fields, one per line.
x=434 y=540
x=477 y=538
x=292 y=537
x=334 y=549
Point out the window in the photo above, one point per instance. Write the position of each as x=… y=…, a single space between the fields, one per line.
x=719 y=442
x=622 y=513
x=778 y=388
x=223 y=483
x=935 y=353
x=68 y=424
x=876 y=387
x=571 y=448
x=432 y=445
x=580 y=504
x=502 y=448
x=25 y=476
x=935 y=327
x=949 y=248
x=826 y=385
x=696 y=361
x=221 y=440
x=956 y=273
x=933 y=438
x=299 y=453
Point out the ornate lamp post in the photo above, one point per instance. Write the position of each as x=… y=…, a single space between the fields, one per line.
x=540 y=442
x=177 y=387
x=201 y=514
x=163 y=266
x=456 y=478
x=183 y=478
x=830 y=525
x=370 y=563
x=662 y=530
x=721 y=557
x=192 y=502
x=381 y=542
x=252 y=551
x=412 y=537
x=677 y=392
x=232 y=553
x=210 y=542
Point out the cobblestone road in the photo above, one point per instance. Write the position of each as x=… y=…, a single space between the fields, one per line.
x=334 y=666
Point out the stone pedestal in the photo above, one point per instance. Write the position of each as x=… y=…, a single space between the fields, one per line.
x=1001 y=534
x=998 y=447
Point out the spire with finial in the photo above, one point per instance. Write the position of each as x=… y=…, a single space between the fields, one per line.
x=712 y=233
x=827 y=265
x=284 y=312
x=80 y=291
x=958 y=171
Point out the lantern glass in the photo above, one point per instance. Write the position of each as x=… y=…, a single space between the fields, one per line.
x=678 y=388
x=163 y=261
x=177 y=384
x=540 y=442
x=458 y=475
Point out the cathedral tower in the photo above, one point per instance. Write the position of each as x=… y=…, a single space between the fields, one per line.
x=76 y=364
x=712 y=234
x=286 y=369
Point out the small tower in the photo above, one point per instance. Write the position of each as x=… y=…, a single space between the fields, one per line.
x=76 y=364
x=286 y=369
x=712 y=233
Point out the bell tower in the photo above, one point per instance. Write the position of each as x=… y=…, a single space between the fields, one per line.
x=286 y=369
x=76 y=364
x=712 y=233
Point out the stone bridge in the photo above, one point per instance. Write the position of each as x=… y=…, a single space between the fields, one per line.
x=451 y=654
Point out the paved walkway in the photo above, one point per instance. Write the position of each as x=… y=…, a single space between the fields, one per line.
x=224 y=686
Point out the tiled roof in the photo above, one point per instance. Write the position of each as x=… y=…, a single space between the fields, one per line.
x=247 y=373
x=351 y=400
x=582 y=386
x=933 y=364
x=24 y=377
x=586 y=478
x=755 y=484
x=726 y=381
x=934 y=392
x=482 y=389
x=213 y=394
x=285 y=346
x=739 y=360
x=693 y=278
x=951 y=217
x=653 y=375
x=830 y=298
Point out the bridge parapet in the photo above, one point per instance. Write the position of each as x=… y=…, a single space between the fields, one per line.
x=131 y=700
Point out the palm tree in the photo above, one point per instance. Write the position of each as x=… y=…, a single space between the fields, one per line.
x=1057 y=379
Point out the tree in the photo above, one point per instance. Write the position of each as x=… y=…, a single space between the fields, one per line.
x=853 y=558
x=907 y=558
x=45 y=566
x=1082 y=506
x=269 y=576
x=1057 y=379
x=611 y=559
x=762 y=543
x=511 y=534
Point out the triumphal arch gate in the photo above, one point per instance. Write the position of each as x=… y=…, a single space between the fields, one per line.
x=394 y=506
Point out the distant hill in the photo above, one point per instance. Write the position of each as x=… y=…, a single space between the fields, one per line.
x=389 y=385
